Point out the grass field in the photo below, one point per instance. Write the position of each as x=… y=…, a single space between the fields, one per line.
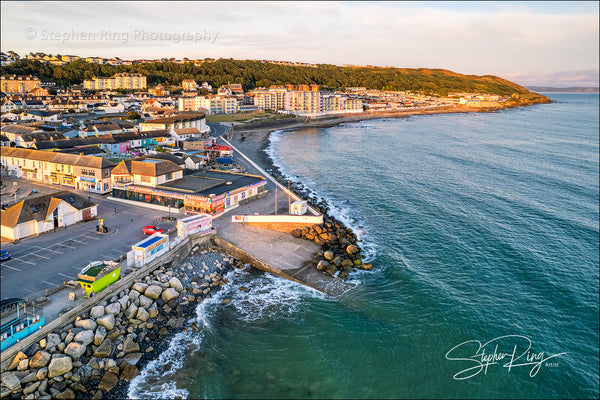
x=245 y=117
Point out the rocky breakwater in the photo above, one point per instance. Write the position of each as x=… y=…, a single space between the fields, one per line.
x=97 y=354
x=340 y=251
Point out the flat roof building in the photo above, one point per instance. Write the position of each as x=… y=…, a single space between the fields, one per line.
x=162 y=183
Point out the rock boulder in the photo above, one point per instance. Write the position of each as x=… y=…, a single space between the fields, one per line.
x=99 y=335
x=140 y=287
x=84 y=337
x=104 y=350
x=88 y=324
x=113 y=308
x=142 y=314
x=17 y=360
x=145 y=301
x=75 y=350
x=59 y=366
x=107 y=321
x=11 y=381
x=40 y=359
x=130 y=346
x=176 y=284
x=96 y=312
x=153 y=292
x=169 y=294
x=129 y=372
x=109 y=381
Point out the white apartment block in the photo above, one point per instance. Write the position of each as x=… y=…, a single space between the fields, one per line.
x=212 y=104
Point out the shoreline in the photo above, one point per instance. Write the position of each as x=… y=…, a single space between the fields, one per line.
x=99 y=354
x=254 y=139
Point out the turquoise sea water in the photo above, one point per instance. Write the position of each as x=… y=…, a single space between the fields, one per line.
x=480 y=227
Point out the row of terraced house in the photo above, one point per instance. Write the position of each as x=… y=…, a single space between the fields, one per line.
x=151 y=180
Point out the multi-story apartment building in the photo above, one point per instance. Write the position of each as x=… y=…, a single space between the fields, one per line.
x=212 y=104
x=18 y=83
x=335 y=103
x=188 y=84
x=303 y=101
x=178 y=121
x=118 y=81
x=69 y=58
x=70 y=170
x=95 y=60
x=271 y=99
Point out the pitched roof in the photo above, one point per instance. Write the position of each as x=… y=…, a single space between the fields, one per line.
x=43 y=113
x=41 y=136
x=146 y=167
x=124 y=167
x=61 y=158
x=39 y=208
x=108 y=127
x=86 y=150
x=166 y=156
x=184 y=116
x=17 y=129
x=155 y=133
x=187 y=131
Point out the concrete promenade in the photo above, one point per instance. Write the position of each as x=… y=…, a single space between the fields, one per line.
x=292 y=256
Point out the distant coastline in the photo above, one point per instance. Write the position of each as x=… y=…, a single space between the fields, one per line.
x=574 y=89
x=253 y=138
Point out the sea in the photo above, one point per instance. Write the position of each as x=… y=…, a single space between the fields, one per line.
x=483 y=232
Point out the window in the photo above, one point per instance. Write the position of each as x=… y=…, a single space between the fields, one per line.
x=169 y=176
x=145 y=179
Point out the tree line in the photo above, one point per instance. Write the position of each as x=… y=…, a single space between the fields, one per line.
x=252 y=74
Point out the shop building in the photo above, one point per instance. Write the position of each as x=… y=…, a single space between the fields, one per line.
x=71 y=170
x=160 y=182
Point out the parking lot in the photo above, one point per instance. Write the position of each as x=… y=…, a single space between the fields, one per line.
x=46 y=261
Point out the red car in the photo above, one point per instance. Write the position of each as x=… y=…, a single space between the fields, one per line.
x=151 y=230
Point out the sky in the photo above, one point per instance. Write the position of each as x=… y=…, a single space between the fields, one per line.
x=531 y=43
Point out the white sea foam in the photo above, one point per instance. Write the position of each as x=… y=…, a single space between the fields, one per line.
x=340 y=209
x=269 y=297
x=155 y=380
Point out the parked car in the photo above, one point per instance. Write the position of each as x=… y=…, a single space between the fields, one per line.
x=151 y=230
x=4 y=255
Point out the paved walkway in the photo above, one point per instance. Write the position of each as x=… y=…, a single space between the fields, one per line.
x=294 y=256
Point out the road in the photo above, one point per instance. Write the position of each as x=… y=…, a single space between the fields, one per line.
x=46 y=261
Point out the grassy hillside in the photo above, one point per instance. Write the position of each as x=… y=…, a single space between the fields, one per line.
x=253 y=74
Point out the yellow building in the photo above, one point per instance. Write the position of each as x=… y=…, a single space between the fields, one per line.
x=188 y=84
x=69 y=58
x=271 y=99
x=118 y=81
x=214 y=104
x=72 y=170
x=304 y=101
x=19 y=83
